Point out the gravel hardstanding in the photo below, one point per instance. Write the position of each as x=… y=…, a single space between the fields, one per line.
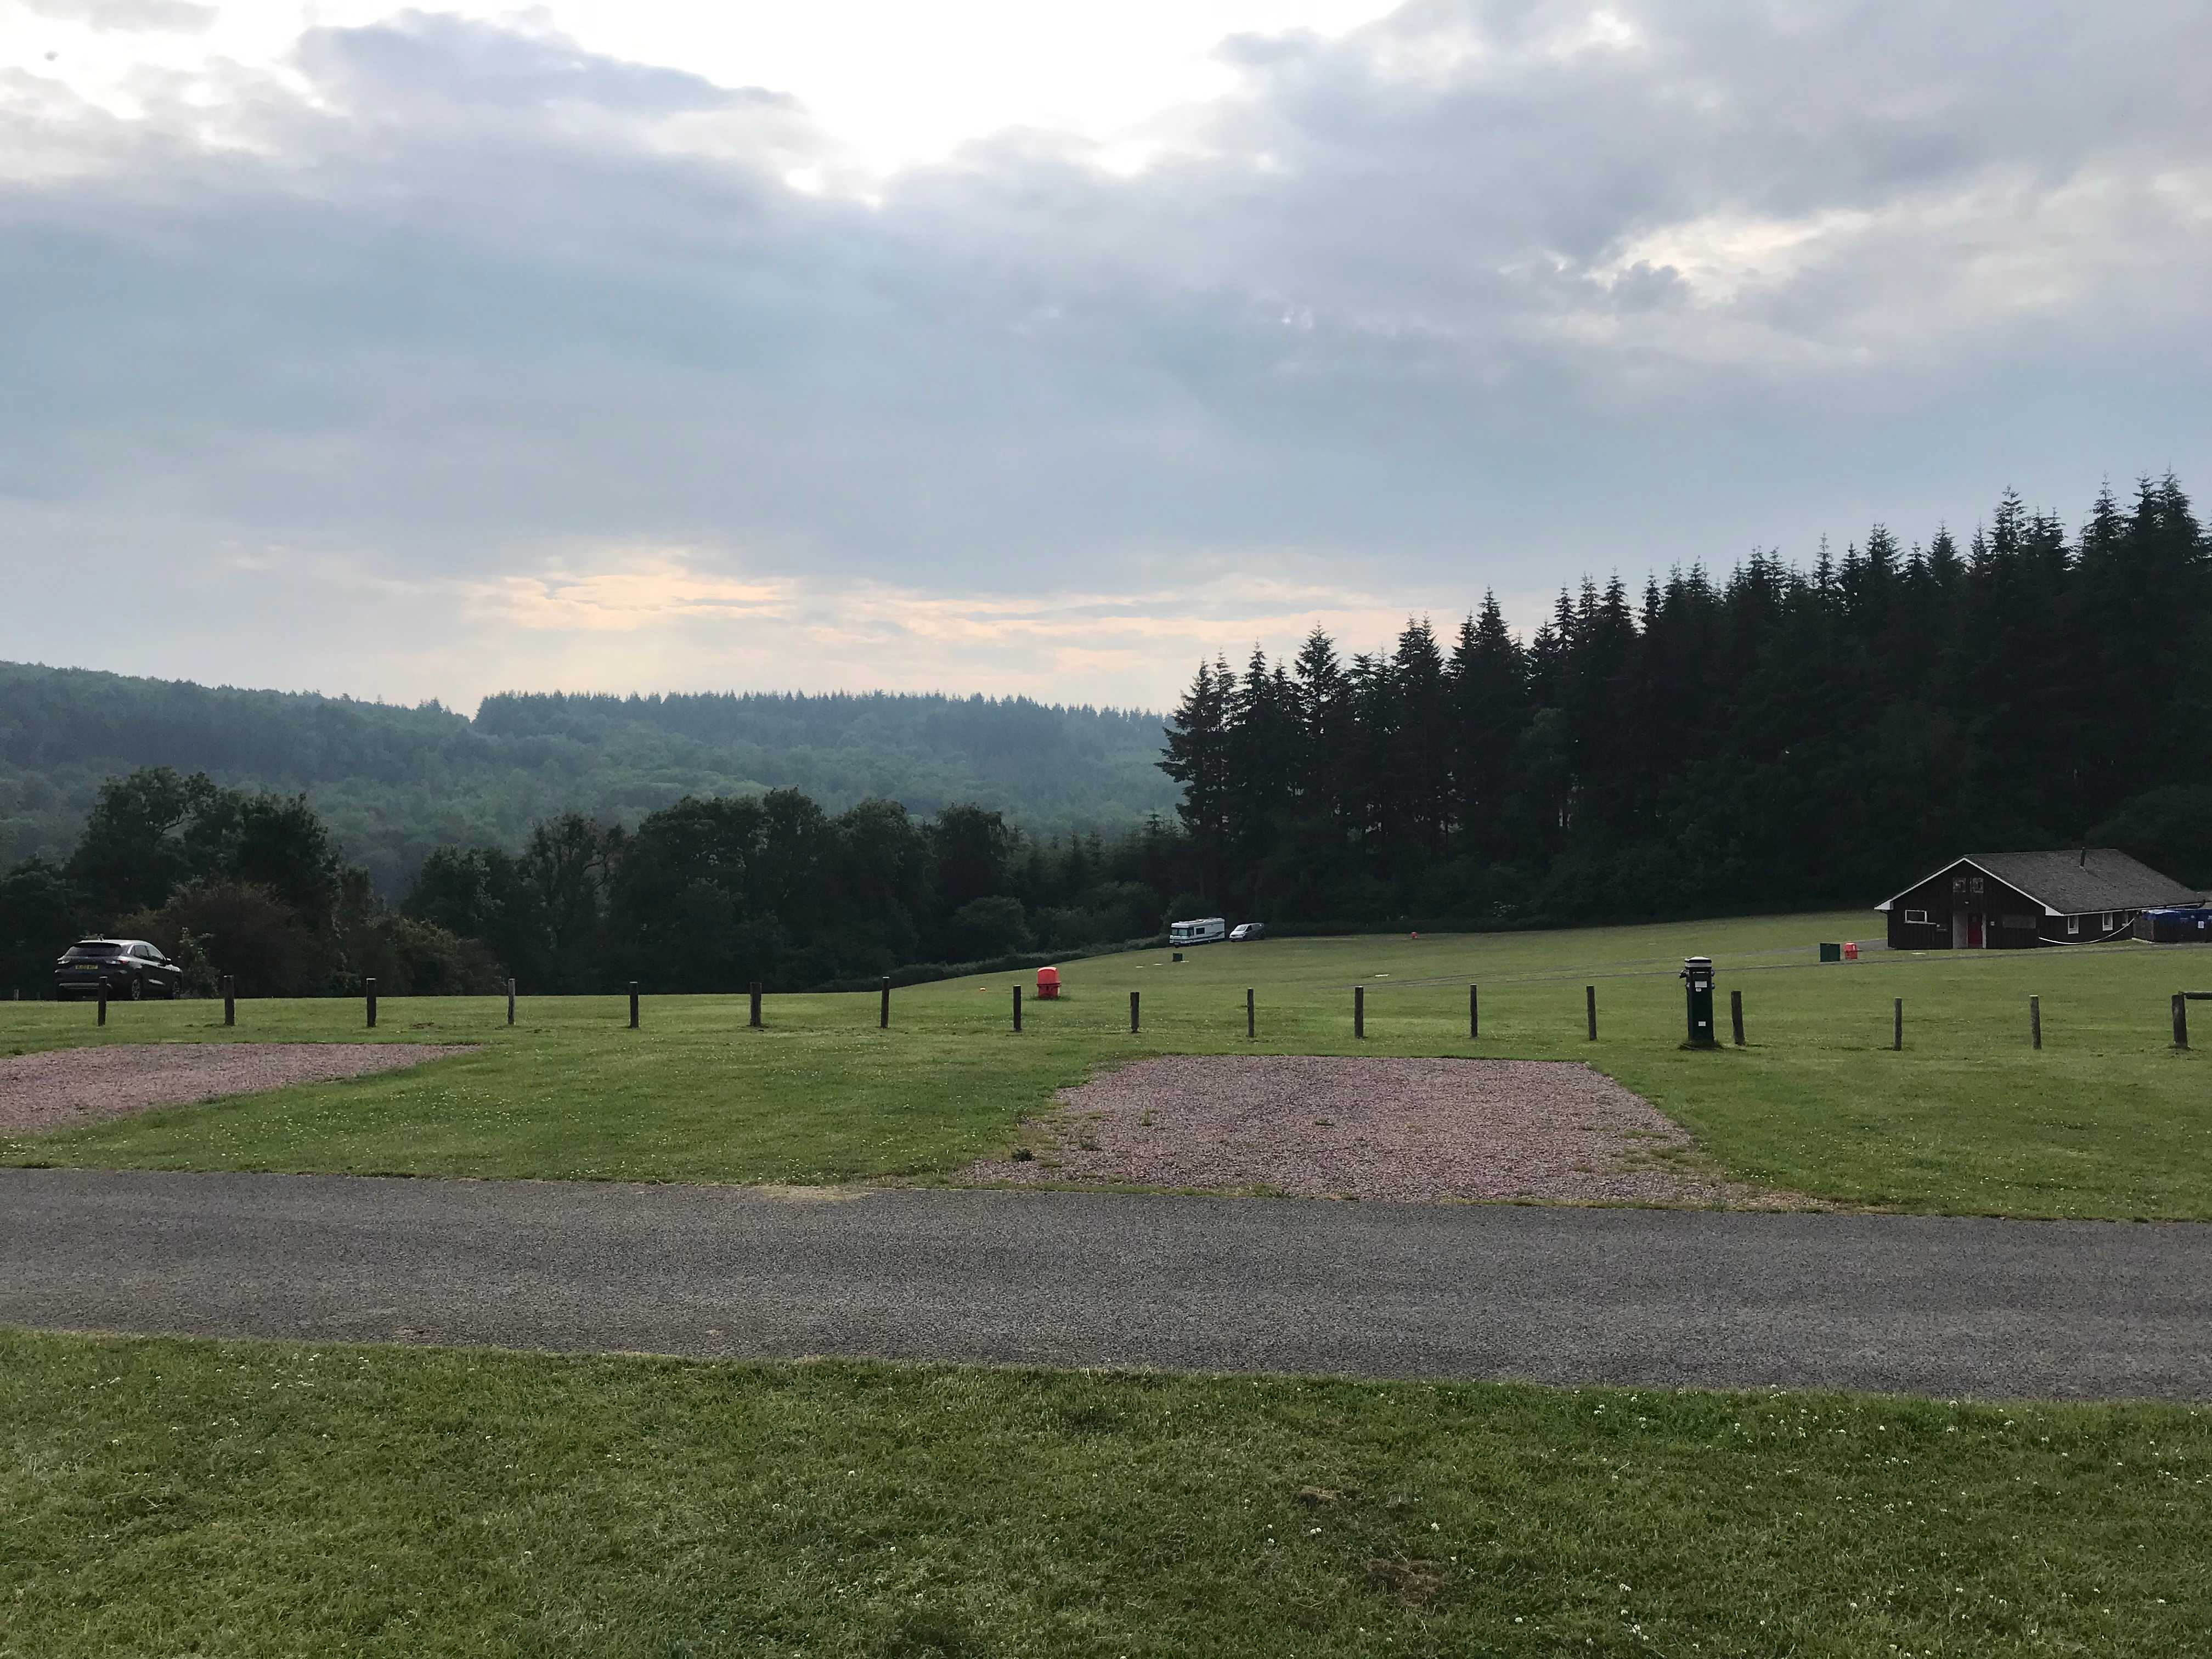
x=1402 y=1129
x=62 y=1088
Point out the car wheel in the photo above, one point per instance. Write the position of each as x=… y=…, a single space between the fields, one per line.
x=137 y=986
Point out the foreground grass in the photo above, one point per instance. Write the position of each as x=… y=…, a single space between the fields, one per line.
x=171 y=1497
x=2106 y=1121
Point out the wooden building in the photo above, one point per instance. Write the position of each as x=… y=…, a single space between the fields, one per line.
x=2006 y=901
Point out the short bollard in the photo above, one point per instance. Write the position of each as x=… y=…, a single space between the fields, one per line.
x=632 y=1004
x=510 y=1002
x=1251 y=1015
x=1133 y=1013
x=103 y=1008
x=2180 y=1020
x=1735 y=1015
x=229 y=1001
x=1474 y=1014
x=1018 y=1007
x=1359 y=1010
x=884 y=1014
x=369 y=995
x=1589 y=1009
x=2035 y=1022
x=753 y=1021
x=1897 y=1034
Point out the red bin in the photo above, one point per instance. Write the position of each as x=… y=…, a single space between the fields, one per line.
x=1048 y=985
x=1850 y=951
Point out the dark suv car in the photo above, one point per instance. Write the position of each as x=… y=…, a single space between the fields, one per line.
x=127 y=967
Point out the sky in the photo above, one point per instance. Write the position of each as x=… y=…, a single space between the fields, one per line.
x=1043 y=349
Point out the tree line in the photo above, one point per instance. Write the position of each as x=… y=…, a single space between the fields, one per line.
x=1777 y=738
x=707 y=894
x=251 y=883
x=395 y=783
x=1780 y=738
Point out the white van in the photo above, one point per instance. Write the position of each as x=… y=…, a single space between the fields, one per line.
x=1210 y=930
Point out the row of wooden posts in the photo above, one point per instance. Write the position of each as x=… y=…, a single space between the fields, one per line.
x=2181 y=1001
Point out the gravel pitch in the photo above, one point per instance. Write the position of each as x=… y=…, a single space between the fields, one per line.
x=1394 y=1129
x=62 y=1088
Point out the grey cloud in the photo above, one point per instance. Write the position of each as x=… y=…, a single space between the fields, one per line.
x=421 y=60
x=129 y=17
x=1423 y=306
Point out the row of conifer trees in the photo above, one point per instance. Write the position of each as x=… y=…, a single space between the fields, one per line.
x=1779 y=736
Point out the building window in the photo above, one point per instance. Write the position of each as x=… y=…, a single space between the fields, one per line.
x=2073 y=924
x=2107 y=928
x=1915 y=918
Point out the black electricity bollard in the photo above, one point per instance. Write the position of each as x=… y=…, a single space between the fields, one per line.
x=883 y=1015
x=103 y=1008
x=1697 y=1002
x=2180 y=1020
x=1589 y=1009
x=2035 y=1022
x=1897 y=1031
x=368 y=993
x=1251 y=1015
x=755 y=1020
x=632 y=1004
x=1735 y=1015
x=1133 y=1013
x=1018 y=1007
x=1474 y=1014
x=510 y=1002
x=229 y=1001
x=1359 y=1010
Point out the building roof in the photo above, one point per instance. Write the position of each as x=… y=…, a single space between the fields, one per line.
x=2072 y=883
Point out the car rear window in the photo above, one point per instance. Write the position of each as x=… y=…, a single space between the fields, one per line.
x=92 y=950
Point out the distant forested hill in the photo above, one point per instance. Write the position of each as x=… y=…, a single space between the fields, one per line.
x=395 y=783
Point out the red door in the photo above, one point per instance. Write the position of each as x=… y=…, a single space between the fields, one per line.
x=1973 y=930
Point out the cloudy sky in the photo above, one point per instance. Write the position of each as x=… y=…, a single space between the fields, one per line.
x=993 y=346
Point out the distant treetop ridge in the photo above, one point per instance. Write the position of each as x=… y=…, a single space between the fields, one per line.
x=394 y=782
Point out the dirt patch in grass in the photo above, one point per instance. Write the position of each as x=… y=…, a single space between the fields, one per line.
x=1395 y=1129
x=64 y=1088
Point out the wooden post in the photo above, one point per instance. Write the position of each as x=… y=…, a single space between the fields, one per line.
x=1589 y=1008
x=753 y=1021
x=1735 y=1015
x=1897 y=1038
x=2180 y=1020
x=1359 y=1010
x=632 y=1004
x=510 y=1002
x=2035 y=1022
x=1018 y=1007
x=230 y=1000
x=1251 y=1015
x=1474 y=1015
x=1133 y=1013
x=103 y=1008
x=884 y=1014
x=369 y=991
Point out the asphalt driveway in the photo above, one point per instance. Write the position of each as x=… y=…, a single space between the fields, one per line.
x=1941 y=1306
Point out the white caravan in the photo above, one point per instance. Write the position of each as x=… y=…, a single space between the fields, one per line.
x=1210 y=930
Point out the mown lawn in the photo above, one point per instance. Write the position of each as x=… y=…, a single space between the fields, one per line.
x=2106 y=1121
x=166 y=1496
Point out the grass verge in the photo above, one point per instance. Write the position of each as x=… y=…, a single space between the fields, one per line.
x=166 y=1496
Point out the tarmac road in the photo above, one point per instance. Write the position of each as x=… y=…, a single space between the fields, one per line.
x=1949 y=1307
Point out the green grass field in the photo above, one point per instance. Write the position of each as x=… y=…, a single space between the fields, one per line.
x=2107 y=1120
x=162 y=1497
